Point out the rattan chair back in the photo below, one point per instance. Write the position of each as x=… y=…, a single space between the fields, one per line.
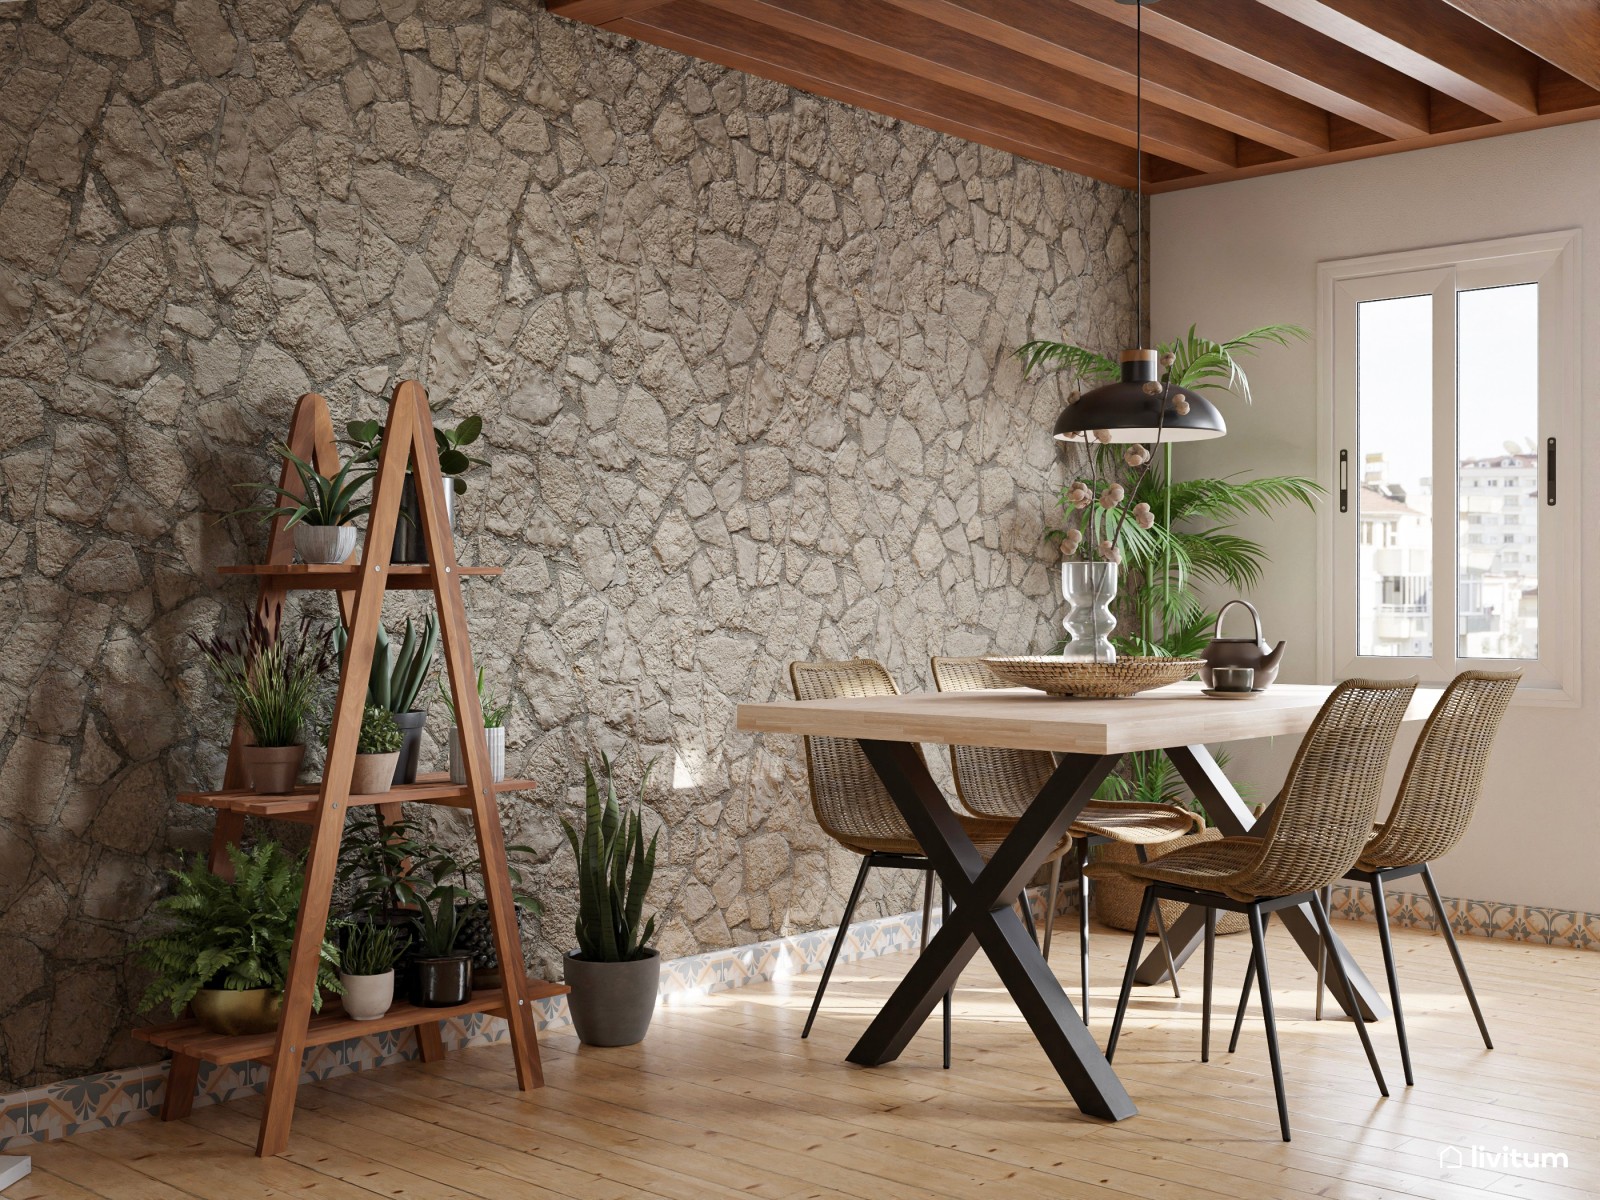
x=990 y=782
x=1445 y=774
x=1323 y=817
x=848 y=798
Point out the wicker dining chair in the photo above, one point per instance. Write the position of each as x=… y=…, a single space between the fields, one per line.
x=1432 y=810
x=853 y=807
x=1313 y=833
x=994 y=782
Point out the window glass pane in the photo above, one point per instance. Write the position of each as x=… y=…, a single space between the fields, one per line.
x=1394 y=505
x=1497 y=490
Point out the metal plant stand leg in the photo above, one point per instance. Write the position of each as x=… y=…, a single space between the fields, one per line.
x=1052 y=903
x=1382 y=911
x=1361 y=1026
x=982 y=916
x=1258 y=939
x=1083 y=924
x=1455 y=953
x=838 y=941
x=1227 y=811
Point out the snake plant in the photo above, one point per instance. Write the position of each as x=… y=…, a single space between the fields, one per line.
x=615 y=868
x=395 y=682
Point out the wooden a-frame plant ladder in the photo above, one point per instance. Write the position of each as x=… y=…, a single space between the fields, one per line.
x=408 y=442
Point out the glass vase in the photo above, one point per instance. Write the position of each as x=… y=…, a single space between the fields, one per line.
x=1089 y=588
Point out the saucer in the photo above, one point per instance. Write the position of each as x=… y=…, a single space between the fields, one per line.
x=1219 y=694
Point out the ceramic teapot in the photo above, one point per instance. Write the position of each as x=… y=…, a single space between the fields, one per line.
x=1241 y=652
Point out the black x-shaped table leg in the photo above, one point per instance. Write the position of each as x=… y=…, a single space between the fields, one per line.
x=983 y=917
x=1228 y=813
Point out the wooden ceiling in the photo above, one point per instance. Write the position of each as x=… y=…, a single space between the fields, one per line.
x=1232 y=88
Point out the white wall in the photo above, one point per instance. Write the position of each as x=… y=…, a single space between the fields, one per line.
x=1238 y=255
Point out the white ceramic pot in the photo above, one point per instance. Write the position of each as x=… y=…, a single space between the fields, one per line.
x=324 y=543
x=367 y=997
x=496 y=738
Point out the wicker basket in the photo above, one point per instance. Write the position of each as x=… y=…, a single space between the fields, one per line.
x=1116 y=901
x=1125 y=677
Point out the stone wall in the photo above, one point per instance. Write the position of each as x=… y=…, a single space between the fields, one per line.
x=742 y=356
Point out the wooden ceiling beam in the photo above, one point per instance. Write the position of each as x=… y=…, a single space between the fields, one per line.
x=733 y=41
x=1431 y=42
x=1563 y=32
x=1251 y=40
x=1071 y=39
x=881 y=33
x=602 y=12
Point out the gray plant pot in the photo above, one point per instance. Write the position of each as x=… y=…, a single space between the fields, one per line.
x=324 y=543
x=612 y=1003
x=410 y=723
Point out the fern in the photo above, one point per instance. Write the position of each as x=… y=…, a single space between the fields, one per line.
x=232 y=934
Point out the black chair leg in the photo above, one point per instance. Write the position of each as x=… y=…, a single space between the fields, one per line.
x=838 y=941
x=1027 y=916
x=1322 y=951
x=1382 y=912
x=1052 y=903
x=1455 y=953
x=1326 y=928
x=944 y=906
x=1161 y=934
x=1083 y=923
x=1244 y=992
x=927 y=910
x=1205 y=1002
x=1134 y=952
x=1258 y=939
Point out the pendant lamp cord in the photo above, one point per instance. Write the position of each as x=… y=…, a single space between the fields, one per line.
x=1138 y=162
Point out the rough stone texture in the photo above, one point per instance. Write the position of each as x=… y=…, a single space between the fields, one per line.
x=742 y=358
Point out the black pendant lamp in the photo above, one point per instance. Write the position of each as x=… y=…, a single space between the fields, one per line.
x=1138 y=407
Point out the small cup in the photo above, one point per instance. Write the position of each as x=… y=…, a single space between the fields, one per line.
x=1233 y=679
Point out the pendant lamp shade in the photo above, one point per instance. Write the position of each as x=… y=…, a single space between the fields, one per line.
x=1132 y=415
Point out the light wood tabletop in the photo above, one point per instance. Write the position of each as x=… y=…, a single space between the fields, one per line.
x=1021 y=719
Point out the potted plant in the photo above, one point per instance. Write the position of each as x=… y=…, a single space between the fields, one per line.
x=614 y=973
x=494 y=713
x=320 y=516
x=395 y=683
x=443 y=972
x=275 y=683
x=224 y=945
x=377 y=749
x=454 y=462
x=367 y=971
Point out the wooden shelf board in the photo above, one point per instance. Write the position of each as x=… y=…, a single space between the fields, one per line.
x=331 y=1025
x=433 y=787
x=399 y=577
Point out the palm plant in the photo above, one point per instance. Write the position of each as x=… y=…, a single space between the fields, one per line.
x=1188 y=541
x=615 y=868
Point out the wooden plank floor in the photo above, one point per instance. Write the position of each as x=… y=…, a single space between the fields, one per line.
x=724 y=1100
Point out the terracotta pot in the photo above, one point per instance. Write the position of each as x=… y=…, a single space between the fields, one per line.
x=367 y=997
x=411 y=724
x=272 y=770
x=373 y=774
x=1116 y=901
x=324 y=543
x=255 y=1010
x=496 y=739
x=612 y=1002
x=442 y=982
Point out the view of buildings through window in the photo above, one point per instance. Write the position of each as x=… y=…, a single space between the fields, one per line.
x=1493 y=499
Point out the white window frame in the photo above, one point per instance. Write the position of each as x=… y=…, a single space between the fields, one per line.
x=1552 y=261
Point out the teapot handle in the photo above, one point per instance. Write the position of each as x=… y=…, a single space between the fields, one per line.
x=1223 y=611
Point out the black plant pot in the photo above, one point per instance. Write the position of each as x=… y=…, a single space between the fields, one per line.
x=409 y=545
x=410 y=723
x=442 y=982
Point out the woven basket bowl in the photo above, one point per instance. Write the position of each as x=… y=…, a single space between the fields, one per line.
x=1125 y=677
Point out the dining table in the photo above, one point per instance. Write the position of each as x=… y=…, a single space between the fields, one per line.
x=1088 y=738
